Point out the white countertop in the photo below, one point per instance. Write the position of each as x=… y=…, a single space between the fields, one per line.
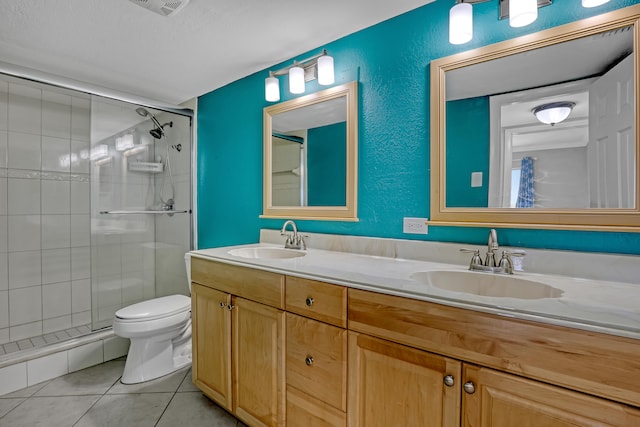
x=595 y=305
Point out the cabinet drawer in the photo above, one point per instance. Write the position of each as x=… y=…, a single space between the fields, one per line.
x=256 y=285
x=317 y=360
x=318 y=300
x=304 y=410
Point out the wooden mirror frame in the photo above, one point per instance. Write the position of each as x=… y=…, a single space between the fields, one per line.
x=568 y=219
x=349 y=212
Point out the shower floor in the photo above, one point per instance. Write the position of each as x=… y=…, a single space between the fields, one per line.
x=42 y=340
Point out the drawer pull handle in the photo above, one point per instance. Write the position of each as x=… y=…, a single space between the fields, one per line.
x=449 y=381
x=309 y=301
x=308 y=360
x=469 y=387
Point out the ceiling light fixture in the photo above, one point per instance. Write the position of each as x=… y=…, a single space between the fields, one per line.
x=319 y=66
x=554 y=112
x=519 y=12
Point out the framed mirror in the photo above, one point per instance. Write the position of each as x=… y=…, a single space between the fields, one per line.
x=311 y=156
x=540 y=131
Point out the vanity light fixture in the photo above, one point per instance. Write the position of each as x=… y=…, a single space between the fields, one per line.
x=319 y=66
x=554 y=112
x=519 y=12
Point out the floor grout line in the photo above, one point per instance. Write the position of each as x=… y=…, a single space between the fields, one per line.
x=164 y=412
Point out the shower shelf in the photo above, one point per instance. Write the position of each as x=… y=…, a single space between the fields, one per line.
x=146 y=167
x=140 y=212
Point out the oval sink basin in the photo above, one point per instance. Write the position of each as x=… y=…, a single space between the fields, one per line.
x=487 y=284
x=271 y=253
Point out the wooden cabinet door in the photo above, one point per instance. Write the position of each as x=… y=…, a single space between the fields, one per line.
x=258 y=363
x=505 y=400
x=395 y=385
x=211 y=332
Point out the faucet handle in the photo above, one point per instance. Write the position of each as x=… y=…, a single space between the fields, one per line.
x=506 y=264
x=475 y=259
x=302 y=240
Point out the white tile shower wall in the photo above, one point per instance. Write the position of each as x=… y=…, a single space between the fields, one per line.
x=44 y=209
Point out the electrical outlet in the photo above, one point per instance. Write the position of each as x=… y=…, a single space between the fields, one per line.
x=415 y=226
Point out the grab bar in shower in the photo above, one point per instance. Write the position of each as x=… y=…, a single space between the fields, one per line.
x=140 y=212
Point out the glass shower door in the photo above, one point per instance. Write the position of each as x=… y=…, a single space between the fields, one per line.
x=140 y=205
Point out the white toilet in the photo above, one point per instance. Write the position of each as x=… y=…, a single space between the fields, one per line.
x=160 y=333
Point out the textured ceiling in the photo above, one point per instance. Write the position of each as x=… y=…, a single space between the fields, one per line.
x=209 y=43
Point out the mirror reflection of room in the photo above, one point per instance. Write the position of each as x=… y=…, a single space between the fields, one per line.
x=581 y=158
x=309 y=155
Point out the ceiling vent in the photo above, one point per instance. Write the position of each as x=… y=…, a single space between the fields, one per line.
x=162 y=7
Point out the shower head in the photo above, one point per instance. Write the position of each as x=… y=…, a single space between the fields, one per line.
x=157 y=132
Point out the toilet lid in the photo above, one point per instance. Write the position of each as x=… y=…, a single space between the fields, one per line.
x=155 y=308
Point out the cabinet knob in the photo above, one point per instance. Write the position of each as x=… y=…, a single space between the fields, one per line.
x=469 y=387
x=223 y=304
x=309 y=360
x=449 y=381
x=231 y=307
x=309 y=301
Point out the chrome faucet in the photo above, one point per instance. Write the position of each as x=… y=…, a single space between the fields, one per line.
x=505 y=266
x=294 y=240
x=492 y=247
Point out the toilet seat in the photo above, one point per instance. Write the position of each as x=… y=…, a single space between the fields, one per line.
x=154 y=309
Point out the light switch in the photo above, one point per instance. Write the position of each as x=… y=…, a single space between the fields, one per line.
x=476 y=179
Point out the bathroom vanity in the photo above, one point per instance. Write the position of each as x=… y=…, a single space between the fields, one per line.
x=337 y=339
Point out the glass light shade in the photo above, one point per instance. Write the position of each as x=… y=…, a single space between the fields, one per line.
x=460 y=23
x=296 y=80
x=522 y=12
x=325 y=70
x=593 y=3
x=553 y=113
x=272 y=89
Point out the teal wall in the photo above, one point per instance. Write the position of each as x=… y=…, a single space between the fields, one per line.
x=390 y=61
x=467 y=152
x=327 y=165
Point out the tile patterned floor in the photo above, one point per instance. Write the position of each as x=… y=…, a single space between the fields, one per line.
x=95 y=397
x=53 y=337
